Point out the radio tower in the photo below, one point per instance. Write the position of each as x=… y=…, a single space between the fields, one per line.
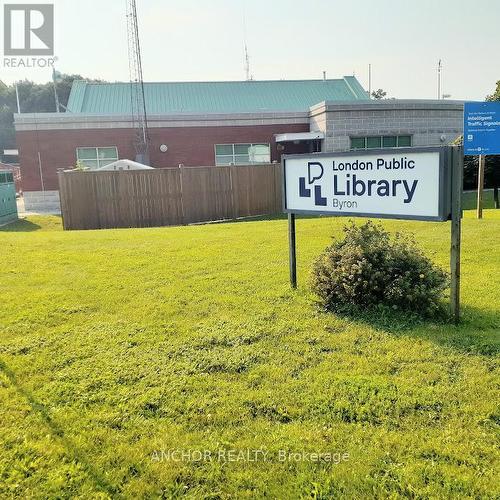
x=248 y=75
x=247 y=64
x=137 y=99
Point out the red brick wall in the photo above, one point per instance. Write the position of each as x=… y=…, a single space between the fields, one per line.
x=191 y=146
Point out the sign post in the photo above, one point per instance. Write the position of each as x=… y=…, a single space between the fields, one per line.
x=292 y=250
x=456 y=231
x=401 y=183
x=480 y=186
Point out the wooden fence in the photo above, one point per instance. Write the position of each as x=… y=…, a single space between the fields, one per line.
x=168 y=196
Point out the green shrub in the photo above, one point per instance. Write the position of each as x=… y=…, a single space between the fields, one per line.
x=369 y=268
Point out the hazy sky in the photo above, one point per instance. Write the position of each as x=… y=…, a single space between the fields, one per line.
x=203 y=40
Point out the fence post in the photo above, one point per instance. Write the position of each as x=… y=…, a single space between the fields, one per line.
x=233 y=194
x=62 y=199
x=183 y=213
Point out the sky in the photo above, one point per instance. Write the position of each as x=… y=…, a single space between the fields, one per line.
x=203 y=40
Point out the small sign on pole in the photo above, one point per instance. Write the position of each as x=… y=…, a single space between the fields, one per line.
x=402 y=183
x=482 y=128
x=481 y=137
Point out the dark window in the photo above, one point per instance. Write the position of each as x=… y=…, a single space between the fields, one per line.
x=224 y=149
x=389 y=141
x=358 y=142
x=404 y=140
x=386 y=141
x=373 y=142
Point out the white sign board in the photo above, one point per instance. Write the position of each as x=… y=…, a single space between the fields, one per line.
x=406 y=183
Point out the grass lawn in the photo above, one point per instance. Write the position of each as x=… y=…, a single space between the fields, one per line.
x=117 y=345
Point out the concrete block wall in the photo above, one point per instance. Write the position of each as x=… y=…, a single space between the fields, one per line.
x=430 y=123
x=42 y=201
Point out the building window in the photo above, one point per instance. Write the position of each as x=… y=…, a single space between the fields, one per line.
x=381 y=141
x=242 y=154
x=373 y=142
x=6 y=177
x=404 y=141
x=97 y=157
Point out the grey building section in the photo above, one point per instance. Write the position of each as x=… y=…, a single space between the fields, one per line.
x=429 y=123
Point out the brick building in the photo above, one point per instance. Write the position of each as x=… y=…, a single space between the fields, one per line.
x=220 y=123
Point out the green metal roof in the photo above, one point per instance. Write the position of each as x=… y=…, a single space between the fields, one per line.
x=214 y=97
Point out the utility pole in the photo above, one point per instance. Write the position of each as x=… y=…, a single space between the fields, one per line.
x=56 y=97
x=248 y=74
x=370 y=81
x=439 y=79
x=17 y=99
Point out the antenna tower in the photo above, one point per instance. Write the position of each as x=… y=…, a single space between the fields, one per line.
x=248 y=75
x=247 y=64
x=439 y=79
x=137 y=98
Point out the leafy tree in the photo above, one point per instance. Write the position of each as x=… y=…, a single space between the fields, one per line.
x=33 y=98
x=7 y=138
x=491 y=172
x=492 y=165
x=379 y=94
x=471 y=165
x=496 y=95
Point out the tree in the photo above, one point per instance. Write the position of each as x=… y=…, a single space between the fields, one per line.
x=33 y=98
x=379 y=94
x=7 y=136
x=494 y=161
x=496 y=95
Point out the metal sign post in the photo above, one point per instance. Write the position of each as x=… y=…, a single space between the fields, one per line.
x=403 y=183
x=292 y=250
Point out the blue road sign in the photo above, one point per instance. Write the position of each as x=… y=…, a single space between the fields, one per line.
x=482 y=128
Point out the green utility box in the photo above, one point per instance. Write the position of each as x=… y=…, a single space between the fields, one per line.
x=8 y=205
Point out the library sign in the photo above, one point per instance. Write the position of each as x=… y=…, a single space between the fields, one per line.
x=400 y=183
